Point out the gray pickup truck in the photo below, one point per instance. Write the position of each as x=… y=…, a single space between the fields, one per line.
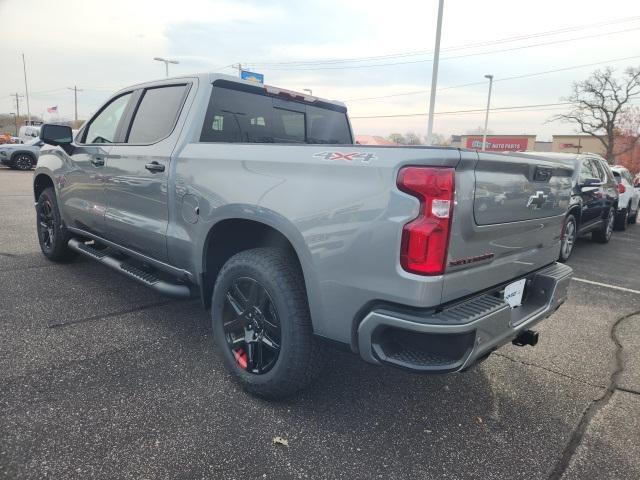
x=256 y=200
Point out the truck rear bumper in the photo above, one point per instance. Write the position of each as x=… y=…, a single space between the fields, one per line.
x=455 y=337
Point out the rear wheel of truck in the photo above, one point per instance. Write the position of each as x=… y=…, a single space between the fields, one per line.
x=261 y=323
x=603 y=234
x=53 y=238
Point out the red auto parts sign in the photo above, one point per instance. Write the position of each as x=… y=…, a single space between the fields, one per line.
x=499 y=144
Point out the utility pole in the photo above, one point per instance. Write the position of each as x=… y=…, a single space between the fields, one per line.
x=15 y=119
x=486 y=115
x=18 y=96
x=434 y=74
x=75 y=100
x=239 y=67
x=26 y=88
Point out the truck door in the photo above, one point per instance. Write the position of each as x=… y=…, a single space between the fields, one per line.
x=82 y=189
x=137 y=170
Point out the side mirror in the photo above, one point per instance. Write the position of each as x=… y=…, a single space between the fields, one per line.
x=591 y=182
x=56 y=134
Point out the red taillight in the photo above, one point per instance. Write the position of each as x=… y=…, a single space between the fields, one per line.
x=621 y=188
x=426 y=238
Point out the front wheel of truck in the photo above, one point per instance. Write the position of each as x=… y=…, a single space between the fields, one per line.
x=52 y=236
x=261 y=323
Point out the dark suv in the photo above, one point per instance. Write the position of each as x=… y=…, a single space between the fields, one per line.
x=594 y=199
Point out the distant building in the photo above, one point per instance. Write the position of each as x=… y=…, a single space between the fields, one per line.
x=373 y=140
x=499 y=143
x=542 y=146
x=577 y=144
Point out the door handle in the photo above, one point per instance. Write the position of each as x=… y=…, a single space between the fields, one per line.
x=154 y=167
x=97 y=161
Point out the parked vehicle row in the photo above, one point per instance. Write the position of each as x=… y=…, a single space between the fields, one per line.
x=257 y=200
x=629 y=197
x=603 y=199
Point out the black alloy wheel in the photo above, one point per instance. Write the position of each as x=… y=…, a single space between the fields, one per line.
x=46 y=224
x=251 y=326
x=52 y=236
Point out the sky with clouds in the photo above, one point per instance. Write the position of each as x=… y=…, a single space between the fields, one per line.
x=102 y=46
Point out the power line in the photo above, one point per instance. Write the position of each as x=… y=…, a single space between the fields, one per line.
x=514 y=77
x=522 y=47
x=448 y=49
x=475 y=110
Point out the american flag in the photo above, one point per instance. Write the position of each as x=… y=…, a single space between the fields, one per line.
x=52 y=109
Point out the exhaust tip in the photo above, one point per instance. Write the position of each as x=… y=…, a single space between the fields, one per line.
x=528 y=337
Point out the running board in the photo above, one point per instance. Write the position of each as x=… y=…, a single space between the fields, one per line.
x=130 y=270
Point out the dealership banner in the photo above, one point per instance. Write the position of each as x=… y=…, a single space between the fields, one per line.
x=499 y=144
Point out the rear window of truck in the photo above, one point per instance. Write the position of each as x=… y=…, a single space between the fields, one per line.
x=249 y=115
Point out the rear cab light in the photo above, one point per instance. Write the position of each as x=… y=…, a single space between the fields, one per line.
x=425 y=239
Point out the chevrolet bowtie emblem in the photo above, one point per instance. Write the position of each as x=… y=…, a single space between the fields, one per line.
x=537 y=200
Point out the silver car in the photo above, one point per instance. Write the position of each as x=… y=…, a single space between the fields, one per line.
x=21 y=156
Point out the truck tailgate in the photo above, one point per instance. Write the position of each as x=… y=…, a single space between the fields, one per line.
x=507 y=220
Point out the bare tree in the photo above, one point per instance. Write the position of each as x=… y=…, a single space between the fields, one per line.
x=599 y=102
x=479 y=131
x=397 y=138
x=412 y=138
x=439 y=140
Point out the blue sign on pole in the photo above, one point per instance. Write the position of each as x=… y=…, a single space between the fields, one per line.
x=252 y=76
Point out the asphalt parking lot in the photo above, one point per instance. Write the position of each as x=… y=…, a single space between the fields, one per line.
x=103 y=378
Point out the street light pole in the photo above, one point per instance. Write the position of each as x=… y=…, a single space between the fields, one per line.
x=486 y=115
x=434 y=73
x=26 y=88
x=166 y=63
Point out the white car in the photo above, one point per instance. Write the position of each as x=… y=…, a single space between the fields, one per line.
x=628 y=198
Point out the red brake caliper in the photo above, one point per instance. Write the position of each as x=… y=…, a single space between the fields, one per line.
x=241 y=357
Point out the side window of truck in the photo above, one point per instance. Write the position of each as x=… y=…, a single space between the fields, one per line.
x=104 y=127
x=157 y=113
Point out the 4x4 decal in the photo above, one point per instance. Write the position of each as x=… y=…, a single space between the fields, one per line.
x=346 y=157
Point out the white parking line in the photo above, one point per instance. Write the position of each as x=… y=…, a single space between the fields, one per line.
x=622 y=289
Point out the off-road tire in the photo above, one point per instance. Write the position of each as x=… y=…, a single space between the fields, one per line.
x=301 y=358
x=57 y=250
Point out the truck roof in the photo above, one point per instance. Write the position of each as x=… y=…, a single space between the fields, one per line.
x=210 y=77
